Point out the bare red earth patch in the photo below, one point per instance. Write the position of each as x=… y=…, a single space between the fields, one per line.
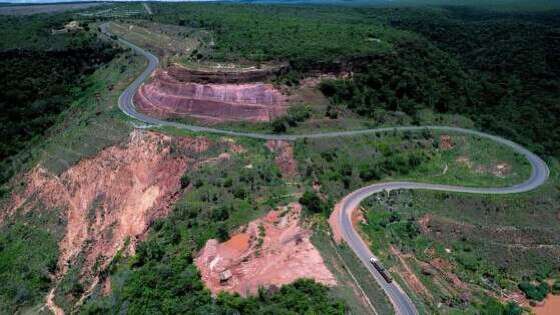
x=167 y=97
x=273 y=250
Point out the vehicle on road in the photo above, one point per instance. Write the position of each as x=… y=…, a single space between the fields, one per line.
x=384 y=273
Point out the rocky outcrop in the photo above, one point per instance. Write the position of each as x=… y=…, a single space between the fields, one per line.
x=166 y=97
x=223 y=76
x=272 y=251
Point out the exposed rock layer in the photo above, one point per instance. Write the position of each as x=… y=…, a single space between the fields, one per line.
x=216 y=76
x=166 y=97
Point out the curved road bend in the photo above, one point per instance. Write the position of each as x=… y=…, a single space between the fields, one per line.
x=400 y=300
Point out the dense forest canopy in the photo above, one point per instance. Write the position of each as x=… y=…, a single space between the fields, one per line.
x=513 y=61
x=307 y=37
x=501 y=70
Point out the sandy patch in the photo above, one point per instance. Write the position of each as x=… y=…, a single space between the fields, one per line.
x=445 y=142
x=334 y=224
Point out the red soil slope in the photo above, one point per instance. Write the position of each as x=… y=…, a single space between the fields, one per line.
x=113 y=196
x=250 y=260
x=166 y=97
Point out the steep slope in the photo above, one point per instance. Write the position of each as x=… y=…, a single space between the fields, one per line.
x=165 y=96
x=108 y=202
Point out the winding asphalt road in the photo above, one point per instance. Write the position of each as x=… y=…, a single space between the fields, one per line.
x=400 y=300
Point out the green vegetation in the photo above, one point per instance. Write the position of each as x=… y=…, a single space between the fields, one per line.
x=350 y=274
x=556 y=287
x=343 y=164
x=295 y=115
x=497 y=68
x=31 y=106
x=500 y=70
x=534 y=292
x=162 y=278
x=311 y=201
x=28 y=256
x=305 y=37
x=449 y=66
x=89 y=121
x=34 y=33
x=166 y=41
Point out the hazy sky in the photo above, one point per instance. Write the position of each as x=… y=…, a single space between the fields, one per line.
x=56 y=1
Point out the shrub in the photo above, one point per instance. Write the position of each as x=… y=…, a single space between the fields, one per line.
x=311 y=202
x=534 y=292
x=185 y=181
x=279 y=125
x=556 y=287
x=370 y=173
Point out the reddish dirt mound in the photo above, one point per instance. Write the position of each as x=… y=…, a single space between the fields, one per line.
x=273 y=250
x=284 y=156
x=111 y=197
x=445 y=142
x=165 y=97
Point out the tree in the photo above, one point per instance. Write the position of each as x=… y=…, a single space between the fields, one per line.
x=311 y=201
x=279 y=125
x=534 y=292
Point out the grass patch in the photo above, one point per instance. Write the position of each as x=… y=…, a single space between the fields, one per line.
x=93 y=121
x=166 y=41
x=343 y=164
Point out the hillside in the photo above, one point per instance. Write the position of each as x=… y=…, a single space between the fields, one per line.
x=209 y=189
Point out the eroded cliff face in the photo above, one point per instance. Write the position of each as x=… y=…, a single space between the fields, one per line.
x=166 y=97
x=111 y=199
